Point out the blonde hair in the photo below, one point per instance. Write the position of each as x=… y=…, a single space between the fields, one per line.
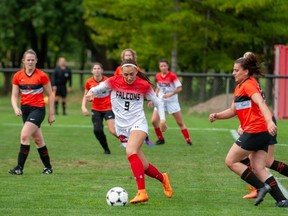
x=129 y=50
x=29 y=51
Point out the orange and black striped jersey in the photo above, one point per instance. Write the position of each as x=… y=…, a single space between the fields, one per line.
x=31 y=87
x=102 y=101
x=249 y=114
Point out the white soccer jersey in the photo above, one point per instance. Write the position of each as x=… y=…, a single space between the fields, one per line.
x=166 y=84
x=127 y=99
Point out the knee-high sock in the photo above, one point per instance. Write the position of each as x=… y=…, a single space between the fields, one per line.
x=44 y=155
x=251 y=179
x=23 y=154
x=280 y=167
x=158 y=133
x=275 y=190
x=153 y=172
x=186 y=135
x=138 y=170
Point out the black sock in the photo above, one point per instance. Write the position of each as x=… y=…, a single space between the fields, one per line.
x=251 y=179
x=280 y=167
x=102 y=139
x=275 y=190
x=23 y=154
x=64 y=107
x=44 y=155
x=246 y=161
x=56 y=106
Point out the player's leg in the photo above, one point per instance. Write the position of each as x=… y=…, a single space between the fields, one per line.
x=233 y=158
x=27 y=130
x=43 y=151
x=56 y=99
x=179 y=120
x=97 y=120
x=110 y=121
x=134 y=144
x=153 y=172
x=155 y=122
x=258 y=162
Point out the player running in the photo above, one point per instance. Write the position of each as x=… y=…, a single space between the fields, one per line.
x=101 y=107
x=31 y=82
x=257 y=124
x=168 y=87
x=127 y=96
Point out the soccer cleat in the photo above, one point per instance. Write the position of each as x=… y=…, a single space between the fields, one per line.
x=149 y=143
x=166 y=186
x=189 y=143
x=160 y=142
x=47 y=171
x=261 y=194
x=107 y=152
x=16 y=171
x=282 y=204
x=251 y=195
x=141 y=196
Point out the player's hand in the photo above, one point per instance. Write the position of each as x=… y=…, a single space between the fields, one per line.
x=163 y=125
x=89 y=96
x=272 y=128
x=85 y=112
x=51 y=119
x=18 y=112
x=150 y=104
x=212 y=117
x=69 y=89
x=240 y=130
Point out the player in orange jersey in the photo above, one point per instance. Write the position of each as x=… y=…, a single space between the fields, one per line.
x=168 y=87
x=257 y=124
x=127 y=97
x=31 y=83
x=101 y=107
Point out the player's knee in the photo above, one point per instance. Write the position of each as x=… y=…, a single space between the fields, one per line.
x=229 y=163
x=24 y=138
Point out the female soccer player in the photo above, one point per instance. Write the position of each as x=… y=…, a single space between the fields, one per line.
x=101 y=107
x=31 y=82
x=257 y=124
x=127 y=96
x=168 y=87
x=130 y=54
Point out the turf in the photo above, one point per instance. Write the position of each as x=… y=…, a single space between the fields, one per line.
x=202 y=184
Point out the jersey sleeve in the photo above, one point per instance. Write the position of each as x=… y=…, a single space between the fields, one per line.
x=150 y=95
x=103 y=86
x=15 y=80
x=252 y=88
x=176 y=81
x=45 y=79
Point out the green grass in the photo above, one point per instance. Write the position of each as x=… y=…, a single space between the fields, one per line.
x=202 y=183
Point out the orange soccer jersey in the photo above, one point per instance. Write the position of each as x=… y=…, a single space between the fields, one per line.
x=31 y=87
x=101 y=101
x=249 y=114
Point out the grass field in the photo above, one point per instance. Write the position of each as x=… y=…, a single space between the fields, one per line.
x=202 y=183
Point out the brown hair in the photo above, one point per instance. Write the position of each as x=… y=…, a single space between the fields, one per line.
x=250 y=62
x=139 y=74
x=129 y=50
x=99 y=64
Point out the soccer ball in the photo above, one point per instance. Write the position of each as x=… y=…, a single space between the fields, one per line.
x=117 y=196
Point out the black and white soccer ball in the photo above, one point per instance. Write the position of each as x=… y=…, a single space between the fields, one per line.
x=117 y=196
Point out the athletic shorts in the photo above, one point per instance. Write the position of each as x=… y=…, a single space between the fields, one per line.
x=141 y=125
x=61 y=91
x=171 y=107
x=33 y=114
x=100 y=115
x=254 y=141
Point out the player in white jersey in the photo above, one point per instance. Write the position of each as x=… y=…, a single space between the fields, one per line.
x=168 y=87
x=127 y=96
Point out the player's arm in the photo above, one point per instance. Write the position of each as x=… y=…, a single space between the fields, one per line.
x=258 y=99
x=85 y=112
x=151 y=95
x=226 y=114
x=170 y=94
x=14 y=100
x=49 y=93
x=103 y=86
x=70 y=81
